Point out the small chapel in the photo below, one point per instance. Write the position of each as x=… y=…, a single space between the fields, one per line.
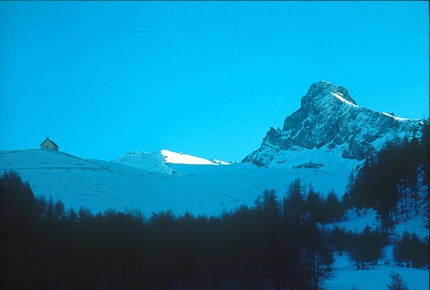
x=49 y=145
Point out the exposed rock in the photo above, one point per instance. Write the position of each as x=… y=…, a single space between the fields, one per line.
x=330 y=119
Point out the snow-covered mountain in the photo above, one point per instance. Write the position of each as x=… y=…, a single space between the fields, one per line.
x=153 y=162
x=329 y=126
x=158 y=161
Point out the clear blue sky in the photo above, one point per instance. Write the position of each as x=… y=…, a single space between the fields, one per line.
x=203 y=78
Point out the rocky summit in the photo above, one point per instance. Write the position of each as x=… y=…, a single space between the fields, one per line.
x=330 y=120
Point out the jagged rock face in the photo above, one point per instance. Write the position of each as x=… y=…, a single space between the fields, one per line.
x=330 y=118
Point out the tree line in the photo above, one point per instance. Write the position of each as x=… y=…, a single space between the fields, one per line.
x=276 y=244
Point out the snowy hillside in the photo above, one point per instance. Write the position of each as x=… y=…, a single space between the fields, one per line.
x=330 y=123
x=152 y=185
x=153 y=162
x=157 y=161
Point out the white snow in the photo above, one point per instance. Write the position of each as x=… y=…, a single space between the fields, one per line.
x=397 y=118
x=338 y=95
x=144 y=181
x=153 y=162
x=357 y=224
x=330 y=158
x=220 y=162
x=375 y=278
x=158 y=161
x=181 y=158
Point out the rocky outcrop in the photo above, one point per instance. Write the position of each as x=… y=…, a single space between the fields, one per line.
x=330 y=119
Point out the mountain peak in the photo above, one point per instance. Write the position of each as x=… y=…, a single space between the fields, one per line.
x=330 y=121
x=322 y=89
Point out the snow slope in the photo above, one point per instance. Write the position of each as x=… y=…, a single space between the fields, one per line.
x=153 y=162
x=181 y=158
x=375 y=278
x=152 y=185
x=157 y=161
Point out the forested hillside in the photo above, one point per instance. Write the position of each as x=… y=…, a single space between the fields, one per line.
x=395 y=181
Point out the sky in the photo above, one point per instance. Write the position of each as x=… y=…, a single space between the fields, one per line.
x=203 y=78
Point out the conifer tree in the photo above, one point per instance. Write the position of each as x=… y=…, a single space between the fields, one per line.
x=333 y=207
x=315 y=207
x=293 y=203
x=397 y=282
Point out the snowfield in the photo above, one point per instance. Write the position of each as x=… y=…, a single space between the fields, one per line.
x=375 y=278
x=165 y=180
x=145 y=181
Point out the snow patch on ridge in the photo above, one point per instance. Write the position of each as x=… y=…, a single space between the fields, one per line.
x=340 y=97
x=159 y=161
x=394 y=117
x=181 y=158
x=152 y=162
